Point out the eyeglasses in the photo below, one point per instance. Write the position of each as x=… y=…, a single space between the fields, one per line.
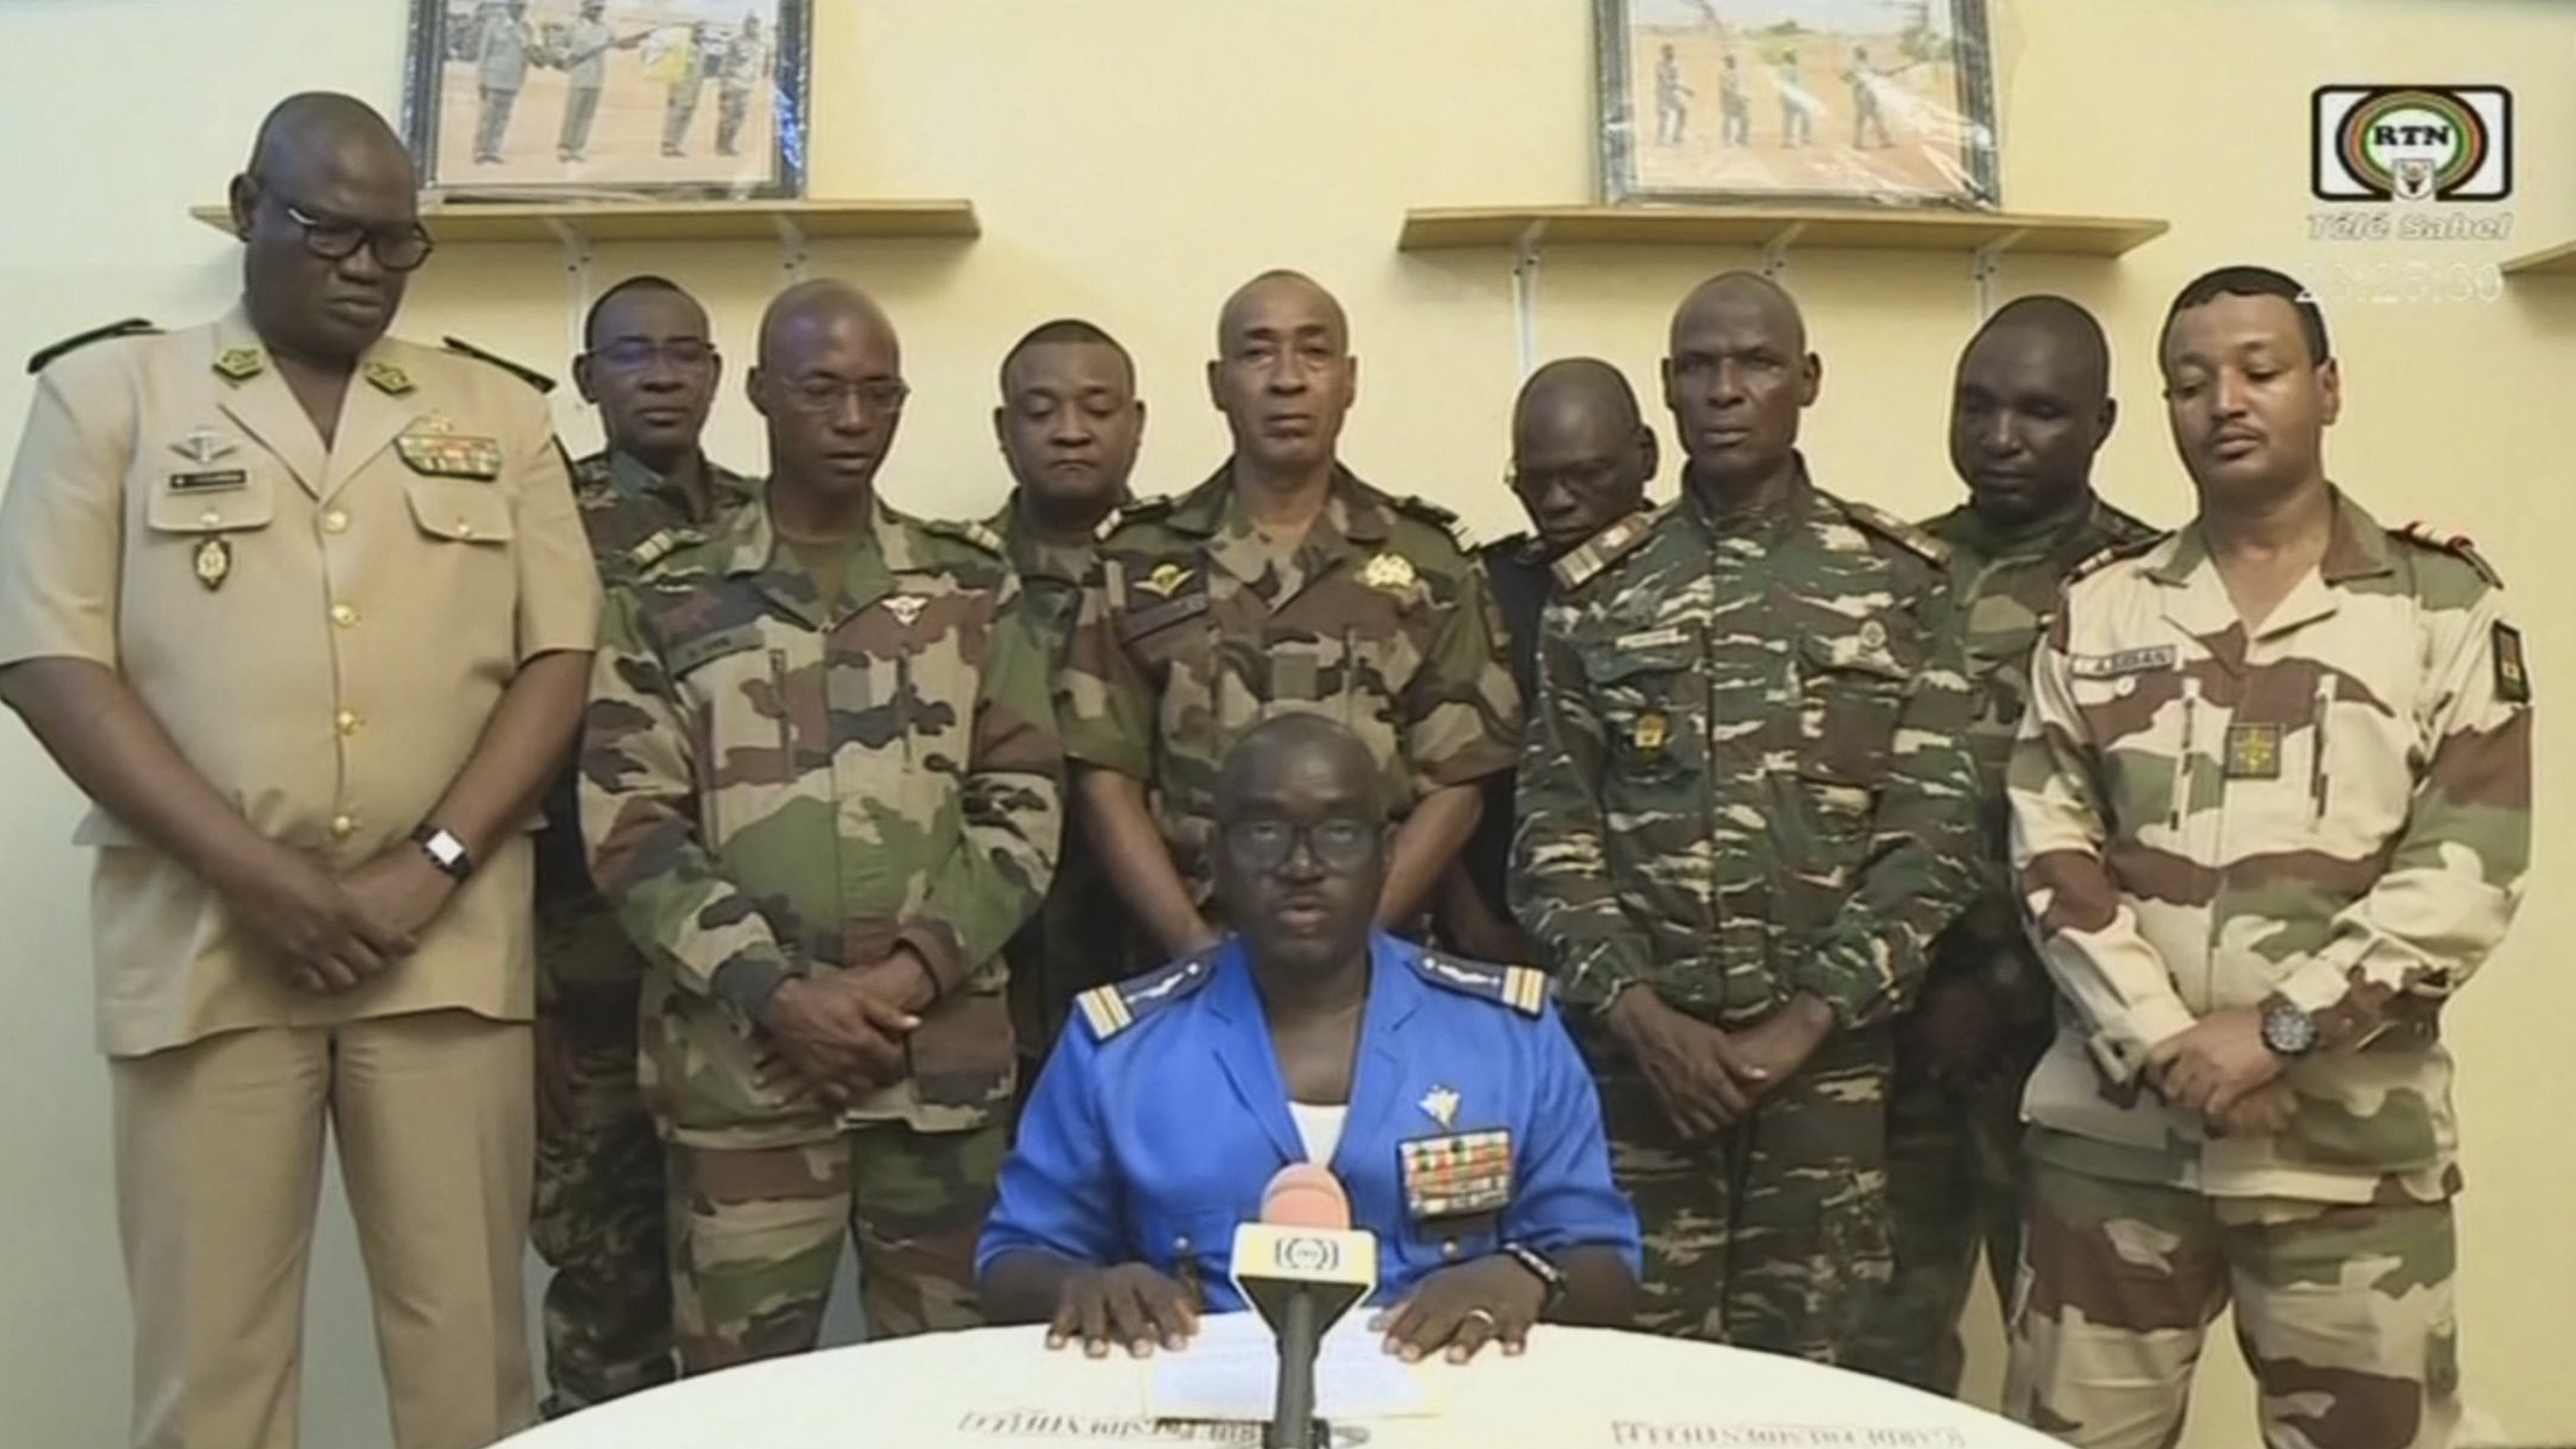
x=398 y=248
x=1340 y=843
x=1581 y=478
x=634 y=354
x=819 y=396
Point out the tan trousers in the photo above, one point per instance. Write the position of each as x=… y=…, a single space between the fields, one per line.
x=218 y=1165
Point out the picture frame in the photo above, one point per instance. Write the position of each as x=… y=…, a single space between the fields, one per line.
x=1797 y=101
x=533 y=100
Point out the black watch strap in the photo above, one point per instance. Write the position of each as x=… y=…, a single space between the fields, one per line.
x=444 y=851
x=1546 y=1272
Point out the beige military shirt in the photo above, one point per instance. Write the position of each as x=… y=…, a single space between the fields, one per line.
x=323 y=632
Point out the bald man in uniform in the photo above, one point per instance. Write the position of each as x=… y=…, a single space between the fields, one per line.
x=307 y=612
x=821 y=789
x=1281 y=584
x=1747 y=810
x=1581 y=458
x=2030 y=406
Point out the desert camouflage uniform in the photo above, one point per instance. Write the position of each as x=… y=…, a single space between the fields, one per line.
x=773 y=785
x=1081 y=935
x=2335 y=812
x=599 y=1207
x=1194 y=627
x=1954 y=1177
x=1749 y=780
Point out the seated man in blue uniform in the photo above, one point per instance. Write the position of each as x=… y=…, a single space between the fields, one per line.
x=1443 y=1093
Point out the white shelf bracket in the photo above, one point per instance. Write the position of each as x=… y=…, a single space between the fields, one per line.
x=1526 y=253
x=795 y=251
x=580 y=271
x=1984 y=264
x=1775 y=252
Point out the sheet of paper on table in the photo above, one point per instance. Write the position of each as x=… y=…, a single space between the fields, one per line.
x=1231 y=1372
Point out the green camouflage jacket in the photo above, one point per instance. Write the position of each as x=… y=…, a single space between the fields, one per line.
x=1193 y=628
x=1748 y=776
x=2004 y=583
x=633 y=517
x=2335 y=811
x=770 y=788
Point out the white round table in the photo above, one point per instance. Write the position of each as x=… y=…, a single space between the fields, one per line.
x=1575 y=1388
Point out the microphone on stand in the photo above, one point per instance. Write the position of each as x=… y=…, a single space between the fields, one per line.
x=1302 y=1267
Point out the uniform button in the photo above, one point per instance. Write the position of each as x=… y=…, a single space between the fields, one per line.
x=464 y=529
x=335 y=521
x=344 y=616
x=1449 y=1249
x=1180 y=1245
x=1873 y=634
x=342 y=827
x=348 y=722
x=209 y=518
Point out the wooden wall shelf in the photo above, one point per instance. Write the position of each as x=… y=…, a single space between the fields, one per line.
x=1427 y=229
x=596 y=222
x=2557 y=261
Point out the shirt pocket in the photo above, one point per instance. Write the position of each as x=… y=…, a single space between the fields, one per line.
x=1851 y=698
x=1649 y=698
x=462 y=511
x=736 y=688
x=199 y=526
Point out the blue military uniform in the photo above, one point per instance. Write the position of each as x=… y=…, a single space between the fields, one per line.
x=1162 y=1115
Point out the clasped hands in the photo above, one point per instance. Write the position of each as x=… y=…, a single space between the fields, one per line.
x=334 y=932
x=2220 y=1068
x=1708 y=1079
x=1459 y=1309
x=841 y=1035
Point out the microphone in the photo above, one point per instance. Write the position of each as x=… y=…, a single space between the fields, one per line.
x=1302 y=1267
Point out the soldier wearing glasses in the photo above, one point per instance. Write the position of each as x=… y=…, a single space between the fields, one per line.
x=820 y=788
x=651 y=370
x=307 y=612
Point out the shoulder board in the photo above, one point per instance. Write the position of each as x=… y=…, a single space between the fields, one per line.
x=130 y=327
x=657 y=546
x=528 y=375
x=1110 y=1010
x=2424 y=535
x=967 y=531
x=2129 y=523
x=1585 y=561
x=1896 y=530
x=1423 y=510
x=1522 y=988
x=1137 y=510
x=2109 y=556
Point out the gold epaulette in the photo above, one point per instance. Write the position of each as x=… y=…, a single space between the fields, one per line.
x=1522 y=988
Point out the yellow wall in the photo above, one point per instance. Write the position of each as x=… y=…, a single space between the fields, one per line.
x=1133 y=159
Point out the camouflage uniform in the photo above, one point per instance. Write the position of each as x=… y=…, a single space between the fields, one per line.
x=598 y=1219
x=1517 y=570
x=1748 y=781
x=1194 y=627
x=1081 y=934
x=2335 y=813
x=777 y=786
x=1954 y=1175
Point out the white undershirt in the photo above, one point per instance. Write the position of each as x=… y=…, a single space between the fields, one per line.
x=1320 y=1128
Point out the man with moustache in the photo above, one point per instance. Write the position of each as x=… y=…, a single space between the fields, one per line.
x=306 y=611
x=2271 y=809
x=1310 y=1035
x=821 y=788
x=1747 y=810
x=1282 y=584
x=651 y=368
x=2030 y=406
x=1581 y=457
x=1069 y=424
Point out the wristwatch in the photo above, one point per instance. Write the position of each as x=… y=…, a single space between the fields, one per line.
x=1551 y=1277
x=2288 y=1030
x=444 y=851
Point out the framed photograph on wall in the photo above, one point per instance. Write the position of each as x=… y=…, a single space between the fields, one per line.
x=525 y=100
x=1787 y=101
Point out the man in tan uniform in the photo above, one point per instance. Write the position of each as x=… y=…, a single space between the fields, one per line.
x=308 y=614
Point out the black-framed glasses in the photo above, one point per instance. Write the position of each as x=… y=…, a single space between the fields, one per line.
x=634 y=354
x=1342 y=842
x=818 y=396
x=398 y=248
